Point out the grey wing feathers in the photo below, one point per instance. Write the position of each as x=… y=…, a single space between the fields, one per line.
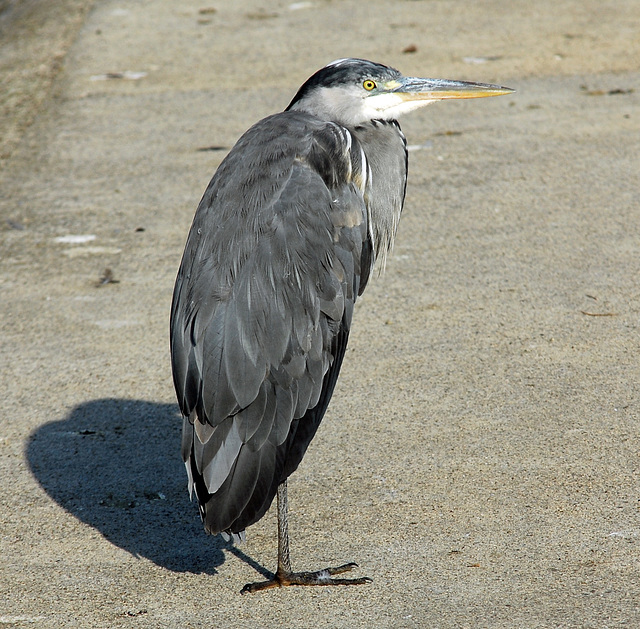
x=262 y=308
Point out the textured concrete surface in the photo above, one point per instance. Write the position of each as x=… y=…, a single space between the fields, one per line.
x=480 y=457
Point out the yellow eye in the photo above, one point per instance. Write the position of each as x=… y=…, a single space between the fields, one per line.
x=369 y=85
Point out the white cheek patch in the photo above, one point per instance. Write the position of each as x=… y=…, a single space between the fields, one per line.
x=391 y=105
x=350 y=105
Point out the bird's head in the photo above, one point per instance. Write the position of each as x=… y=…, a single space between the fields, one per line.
x=354 y=91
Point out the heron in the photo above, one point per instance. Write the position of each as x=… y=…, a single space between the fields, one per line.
x=282 y=244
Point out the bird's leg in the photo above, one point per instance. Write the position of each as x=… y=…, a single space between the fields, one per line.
x=284 y=558
x=284 y=575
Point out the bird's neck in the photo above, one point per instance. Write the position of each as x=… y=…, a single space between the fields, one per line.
x=385 y=148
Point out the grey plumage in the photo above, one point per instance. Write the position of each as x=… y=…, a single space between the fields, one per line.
x=283 y=242
x=263 y=306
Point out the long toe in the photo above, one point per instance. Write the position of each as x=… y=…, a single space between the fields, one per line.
x=321 y=577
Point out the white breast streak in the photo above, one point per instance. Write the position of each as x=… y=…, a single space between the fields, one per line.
x=366 y=176
x=346 y=142
x=347 y=149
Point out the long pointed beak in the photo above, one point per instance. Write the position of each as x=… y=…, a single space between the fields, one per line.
x=412 y=88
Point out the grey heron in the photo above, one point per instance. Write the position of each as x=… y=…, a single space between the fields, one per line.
x=282 y=244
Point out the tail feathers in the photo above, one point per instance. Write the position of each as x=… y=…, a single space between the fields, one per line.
x=234 y=538
x=243 y=497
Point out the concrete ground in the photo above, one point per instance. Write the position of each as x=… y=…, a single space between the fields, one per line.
x=480 y=458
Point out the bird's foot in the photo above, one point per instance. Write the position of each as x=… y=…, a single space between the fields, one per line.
x=321 y=577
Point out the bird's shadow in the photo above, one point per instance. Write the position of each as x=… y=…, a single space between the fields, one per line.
x=115 y=464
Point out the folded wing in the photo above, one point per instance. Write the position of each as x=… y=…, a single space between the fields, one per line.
x=278 y=252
